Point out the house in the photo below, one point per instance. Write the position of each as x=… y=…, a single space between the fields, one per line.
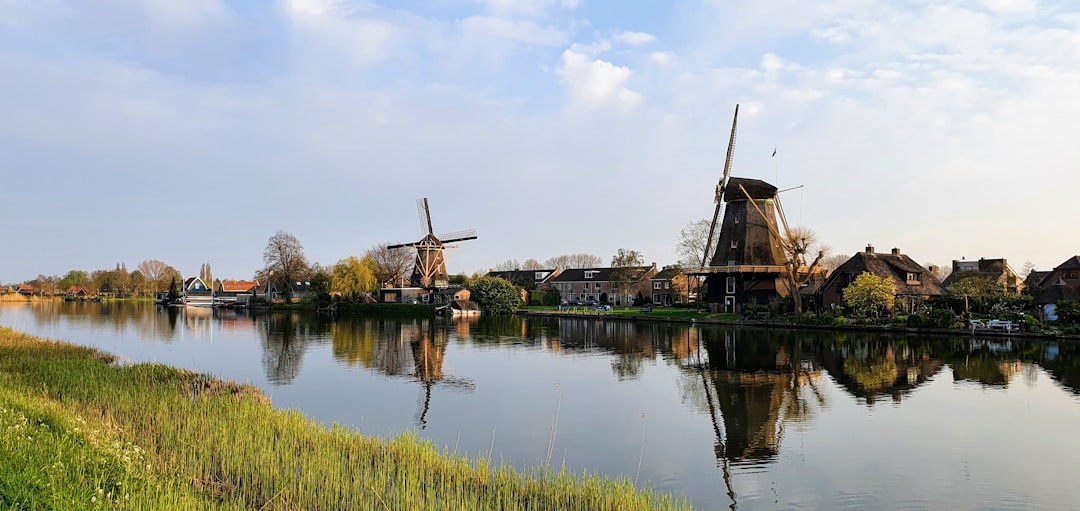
x=527 y=280
x=423 y=295
x=996 y=269
x=1033 y=280
x=1063 y=283
x=78 y=292
x=298 y=290
x=24 y=289
x=913 y=282
x=616 y=286
x=669 y=286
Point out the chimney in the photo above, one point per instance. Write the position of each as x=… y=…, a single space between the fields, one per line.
x=869 y=248
x=895 y=251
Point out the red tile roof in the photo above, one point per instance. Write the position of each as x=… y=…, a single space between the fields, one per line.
x=238 y=286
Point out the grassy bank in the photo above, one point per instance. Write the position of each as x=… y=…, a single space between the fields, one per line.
x=77 y=432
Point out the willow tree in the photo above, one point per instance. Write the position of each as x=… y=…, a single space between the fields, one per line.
x=354 y=276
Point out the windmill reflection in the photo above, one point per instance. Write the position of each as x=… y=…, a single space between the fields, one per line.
x=414 y=349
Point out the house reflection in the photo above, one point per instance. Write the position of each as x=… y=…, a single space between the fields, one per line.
x=874 y=368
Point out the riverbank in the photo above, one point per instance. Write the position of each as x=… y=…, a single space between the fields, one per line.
x=690 y=316
x=79 y=432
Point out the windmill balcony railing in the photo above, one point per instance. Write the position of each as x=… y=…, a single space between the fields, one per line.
x=738 y=268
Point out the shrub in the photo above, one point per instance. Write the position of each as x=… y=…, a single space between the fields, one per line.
x=840 y=321
x=942 y=318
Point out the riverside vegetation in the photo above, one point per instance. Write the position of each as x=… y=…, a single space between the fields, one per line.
x=80 y=432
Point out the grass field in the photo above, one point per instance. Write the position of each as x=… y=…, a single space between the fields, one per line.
x=78 y=432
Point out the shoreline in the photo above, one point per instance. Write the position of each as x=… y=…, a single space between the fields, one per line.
x=950 y=332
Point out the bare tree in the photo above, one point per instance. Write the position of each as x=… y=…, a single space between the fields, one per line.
x=691 y=246
x=155 y=273
x=832 y=262
x=207 y=275
x=799 y=244
x=507 y=265
x=532 y=264
x=626 y=270
x=284 y=257
x=391 y=264
x=574 y=261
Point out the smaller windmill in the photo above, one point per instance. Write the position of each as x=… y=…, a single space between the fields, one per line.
x=429 y=271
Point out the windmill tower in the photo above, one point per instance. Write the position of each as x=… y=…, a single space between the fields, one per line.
x=429 y=271
x=749 y=260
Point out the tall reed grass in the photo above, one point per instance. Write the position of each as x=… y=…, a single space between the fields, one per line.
x=77 y=432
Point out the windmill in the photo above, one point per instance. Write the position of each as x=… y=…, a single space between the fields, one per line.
x=748 y=260
x=429 y=271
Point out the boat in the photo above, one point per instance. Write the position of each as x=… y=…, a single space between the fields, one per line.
x=458 y=308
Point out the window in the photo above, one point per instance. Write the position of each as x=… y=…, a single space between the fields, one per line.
x=736 y=219
x=656 y=285
x=590 y=274
x=540 y=275
x=596 y=285
x=912 y=278
x=667 y=285
x=731 y=285
x=734 y=244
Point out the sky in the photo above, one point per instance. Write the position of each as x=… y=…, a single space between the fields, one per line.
x=192 y=131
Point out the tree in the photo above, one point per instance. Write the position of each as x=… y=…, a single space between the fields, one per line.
x=507 y=265
x=74 y=278
x=157 y=274
x=574 y=261
x=354 y=276
x=939 y=272
x=869 y=293
x=206 y=274
x=495 y=296
x=532 y=264
x=981 y=287
x=832 y=262
x=798 y=244
x=391 y=264
x=284 y=257
x=121 y=279
x=626 y=268
x=1026 y=269
x=691 y=245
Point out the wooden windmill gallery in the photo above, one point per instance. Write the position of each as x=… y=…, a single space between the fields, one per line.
x=748 y=263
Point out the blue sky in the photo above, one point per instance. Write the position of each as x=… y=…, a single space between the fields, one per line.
x=192 y=131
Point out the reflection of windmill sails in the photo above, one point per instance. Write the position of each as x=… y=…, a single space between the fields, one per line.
x=429 y=270
x=750 y=393
x=428 y=349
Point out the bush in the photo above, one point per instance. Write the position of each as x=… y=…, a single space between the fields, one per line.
x=495 y=296
x=915 y=321
x=840 y=321
x=942 y=318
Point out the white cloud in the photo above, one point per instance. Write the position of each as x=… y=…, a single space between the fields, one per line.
x=662 y=58
x=512 y=30
x=528 y=7
x=595 y=83
x=635 y=38
x=332 y=28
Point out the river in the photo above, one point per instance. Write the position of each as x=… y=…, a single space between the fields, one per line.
x=745 y=418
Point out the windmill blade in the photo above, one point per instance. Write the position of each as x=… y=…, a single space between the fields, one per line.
x=400 y=245
x=450 y=237
x=722 y=187
x=427 y=215
x=730 y=155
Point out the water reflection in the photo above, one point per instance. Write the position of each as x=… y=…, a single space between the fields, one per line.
x=744 y=408
x=413 y=349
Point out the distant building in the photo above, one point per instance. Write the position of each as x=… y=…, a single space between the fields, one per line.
x=603 y=285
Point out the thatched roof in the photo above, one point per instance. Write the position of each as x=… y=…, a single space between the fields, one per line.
x=894 y=266
x=757 y=189
x=1055 y=292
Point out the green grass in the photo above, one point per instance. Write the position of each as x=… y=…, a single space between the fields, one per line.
x=79 y=433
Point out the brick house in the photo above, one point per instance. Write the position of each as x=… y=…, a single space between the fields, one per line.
x=603 y=285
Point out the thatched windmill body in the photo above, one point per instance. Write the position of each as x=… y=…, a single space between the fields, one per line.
x=749 y=261
x=429 y=271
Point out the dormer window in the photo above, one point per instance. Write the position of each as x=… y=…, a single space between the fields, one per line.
x=590 y=274
x=913 y=278
x=540 y=275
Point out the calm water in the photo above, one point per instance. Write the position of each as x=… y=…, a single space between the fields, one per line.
x=730 y=417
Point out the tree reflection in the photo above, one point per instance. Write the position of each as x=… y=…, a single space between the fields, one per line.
x=287 y=337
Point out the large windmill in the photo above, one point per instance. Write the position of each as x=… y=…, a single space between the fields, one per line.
x=748 y=261
x=429 y=271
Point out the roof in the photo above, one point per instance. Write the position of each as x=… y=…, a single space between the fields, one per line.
x=238 y=286
x=25 y=287
x=668 y=273
x=895 y=266
x=757 y=189
x=1072 y=263
x=1035 y=277
x=601 y=274
x=1055 y=292
x=522 y=275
